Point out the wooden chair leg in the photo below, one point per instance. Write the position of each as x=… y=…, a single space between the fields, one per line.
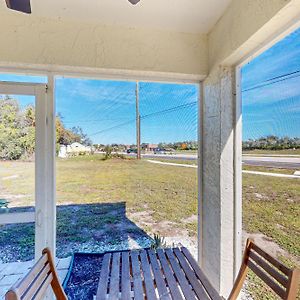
x=293 y=286
x=238 y=284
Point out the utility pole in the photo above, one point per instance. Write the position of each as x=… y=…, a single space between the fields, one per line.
x=138 y=123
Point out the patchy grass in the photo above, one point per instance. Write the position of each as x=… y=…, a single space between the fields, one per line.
x=271 y=206
x=171 y=195
x=95 y=227
x=175 y=161
x=82 y=182
x=90 y=191
x=186 y=151
x=268 y=170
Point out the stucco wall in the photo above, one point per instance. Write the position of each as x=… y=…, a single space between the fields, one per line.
x=246 y=25
x=32 y=40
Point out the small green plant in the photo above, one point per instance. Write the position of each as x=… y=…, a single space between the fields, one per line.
x=108 y=151
x=158 y=242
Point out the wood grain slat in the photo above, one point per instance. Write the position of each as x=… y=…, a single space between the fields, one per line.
x=42 y=276
x=163 y=292
x=148 y=280
x=205 y=282
x=184 y=284
x=114 y=287
x=136 y=274
x=125 y=282
x=29 y=278
x=268 y=268
x=37 y=283
x=41 y=292
x=104 y=276
x=271 y=259
x=190 y=274
x=272 y=284
x=173 y=287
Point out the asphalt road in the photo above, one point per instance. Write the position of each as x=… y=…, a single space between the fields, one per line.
x=273 y=162
x=263 y=161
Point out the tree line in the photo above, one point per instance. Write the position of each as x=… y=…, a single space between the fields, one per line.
x=17 y=131
x=183 y=145
x=272 y=142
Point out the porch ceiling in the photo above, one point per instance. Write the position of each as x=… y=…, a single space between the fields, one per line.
x=196 y=16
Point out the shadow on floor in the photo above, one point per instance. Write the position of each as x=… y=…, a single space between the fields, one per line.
x=80 y=228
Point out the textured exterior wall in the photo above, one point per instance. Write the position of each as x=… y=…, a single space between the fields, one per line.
x=240 y=29
x=245 y=27
x=32 y=40
x=218 y=180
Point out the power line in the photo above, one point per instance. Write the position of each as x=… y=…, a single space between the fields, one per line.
x=113 y=127
x=274 y=80
x=284 y=75
x=169 y=110
x=146 y=116
x=93 y=121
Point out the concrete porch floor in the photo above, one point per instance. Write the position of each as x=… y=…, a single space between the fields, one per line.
x=12 y=272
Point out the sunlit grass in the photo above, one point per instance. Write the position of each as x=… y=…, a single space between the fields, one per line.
x=270 y=205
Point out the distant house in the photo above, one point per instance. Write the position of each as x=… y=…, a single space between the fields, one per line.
x=73 y=150
x=148 y=147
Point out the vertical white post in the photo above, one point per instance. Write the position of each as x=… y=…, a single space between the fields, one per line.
x=45 y=169
x=50 y=171
x=138 y=122
x=40 y=172
x=221 y=193
x=200 y=171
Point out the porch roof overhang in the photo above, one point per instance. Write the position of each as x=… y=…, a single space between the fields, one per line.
x=139 y=41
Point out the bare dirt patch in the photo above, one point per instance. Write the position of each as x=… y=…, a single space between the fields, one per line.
x=173 y=234
x=191 y=219
x=269 y=245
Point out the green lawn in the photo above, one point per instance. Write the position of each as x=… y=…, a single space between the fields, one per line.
x=268 y=170
x=175 y=161
x=155 y=198
x=171 y=195
x=186 y=151
x=271 y=206
x=148 y=197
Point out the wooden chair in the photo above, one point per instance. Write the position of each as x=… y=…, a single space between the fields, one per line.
x=35 y=284
x=282 y=280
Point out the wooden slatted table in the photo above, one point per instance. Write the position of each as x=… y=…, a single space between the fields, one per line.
x=147 y=274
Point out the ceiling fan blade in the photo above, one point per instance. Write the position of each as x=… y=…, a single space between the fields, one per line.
x=19 y=5
x=134 y=2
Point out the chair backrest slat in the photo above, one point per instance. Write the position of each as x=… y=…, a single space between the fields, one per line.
x=268 y=280
x=41 y=292
x=271 y=259
x=36 y=283
x=27 y=281
x=282 y=280
x=278 y=276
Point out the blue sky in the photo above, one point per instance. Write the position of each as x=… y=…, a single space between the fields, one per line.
x=268 y=107
x=106 y=109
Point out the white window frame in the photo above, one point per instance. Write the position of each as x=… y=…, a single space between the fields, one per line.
x=44 y=215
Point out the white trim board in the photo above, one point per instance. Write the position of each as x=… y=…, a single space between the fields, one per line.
x=100 y=73
x=17 y=218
